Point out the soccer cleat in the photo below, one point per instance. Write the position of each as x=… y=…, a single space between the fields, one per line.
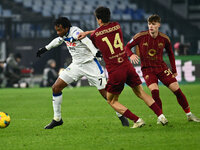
x=192 y=117
x=158 y=121
x=140 y=123
x=53 y=124
x=162 y=120
x=124 y=121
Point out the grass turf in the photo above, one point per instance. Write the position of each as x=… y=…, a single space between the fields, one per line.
x=90 y=123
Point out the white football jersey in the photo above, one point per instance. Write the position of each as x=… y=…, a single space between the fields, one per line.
x=80 y=50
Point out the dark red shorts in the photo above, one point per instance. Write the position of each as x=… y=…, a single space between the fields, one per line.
x=152 y=75
x=124 y=74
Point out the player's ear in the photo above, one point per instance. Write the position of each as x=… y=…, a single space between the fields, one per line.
x=99 y=21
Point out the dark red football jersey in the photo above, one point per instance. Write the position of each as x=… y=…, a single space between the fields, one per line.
x=151 y=49
x=109 y=40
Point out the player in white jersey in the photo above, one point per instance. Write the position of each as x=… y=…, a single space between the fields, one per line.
x=84 y=63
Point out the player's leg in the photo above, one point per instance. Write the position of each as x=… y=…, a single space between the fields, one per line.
x=135 y=83
x=96 y=77
x=182 y=100
x=112 y=100
x=152 y=83
x=138 y=90
x=155 y=94
x=66 y=77
x=57 y=88
x=123 y=119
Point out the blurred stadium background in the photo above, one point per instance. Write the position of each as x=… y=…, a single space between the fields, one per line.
x=26 y=25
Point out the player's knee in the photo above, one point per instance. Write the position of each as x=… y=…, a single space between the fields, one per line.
x=111 y=102
x=139 y=94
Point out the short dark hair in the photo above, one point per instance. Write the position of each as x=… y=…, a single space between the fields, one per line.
x=154 y=18
x=103 y=13
x=64 y=21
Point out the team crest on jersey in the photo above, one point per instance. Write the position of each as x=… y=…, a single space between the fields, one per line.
x=145 y=44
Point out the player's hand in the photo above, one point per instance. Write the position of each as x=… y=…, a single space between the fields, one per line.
x=41 y=51
x=81 y=35
x=175 y=75
x=134 y=59
x=98 y=54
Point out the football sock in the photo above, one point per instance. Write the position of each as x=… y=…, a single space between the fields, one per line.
x=188 y=114
x=182 y=100
x=156 y=109
x=156 y=97
x=130 y=115
x=57 y=100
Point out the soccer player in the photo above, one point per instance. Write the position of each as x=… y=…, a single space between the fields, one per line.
x=84 y=63
x=108 y=39
x=149 y=46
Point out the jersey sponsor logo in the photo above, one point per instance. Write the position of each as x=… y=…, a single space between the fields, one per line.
x=118 y=55
x=114 y=28
x=145 y=44
x=152 y=52
x=70 y=44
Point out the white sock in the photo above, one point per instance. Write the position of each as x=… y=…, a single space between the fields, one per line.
x=159 y=117
x=118 y=114
x=57 y=100
x=187 y=114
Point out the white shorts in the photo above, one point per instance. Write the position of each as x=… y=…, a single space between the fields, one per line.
x=92 y=70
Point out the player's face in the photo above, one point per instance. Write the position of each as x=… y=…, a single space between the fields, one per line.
x=153 y=27
x=60 y=30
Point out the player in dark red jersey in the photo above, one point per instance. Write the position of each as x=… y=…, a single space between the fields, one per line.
x=108 y=39
x=150 y=45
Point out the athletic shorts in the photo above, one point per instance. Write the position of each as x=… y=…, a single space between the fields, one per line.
x=92 y=70
x=152 y=75
x=124 y=74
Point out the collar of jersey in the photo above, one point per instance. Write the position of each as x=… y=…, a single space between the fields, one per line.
x=68 y=32
x=69 y=39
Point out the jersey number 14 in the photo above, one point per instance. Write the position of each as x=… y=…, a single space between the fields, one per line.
x=117 y=43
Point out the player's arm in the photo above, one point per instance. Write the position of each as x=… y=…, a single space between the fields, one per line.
x=84 y=34
x=133 y=57
x=54 y=43
x=170 y=53
x=86 y=41
x=90 y=45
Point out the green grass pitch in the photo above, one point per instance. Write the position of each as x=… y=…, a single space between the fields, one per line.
x=91 y=124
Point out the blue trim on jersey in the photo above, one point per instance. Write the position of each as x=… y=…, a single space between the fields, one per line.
x=99 y=66
x=57 y=94
x=70 y=39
